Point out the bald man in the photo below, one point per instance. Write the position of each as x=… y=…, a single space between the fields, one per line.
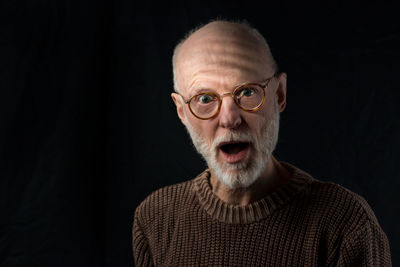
x=247 y=208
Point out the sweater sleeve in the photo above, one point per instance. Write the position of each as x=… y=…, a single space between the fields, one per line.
x=367 y=246
x=141 y=249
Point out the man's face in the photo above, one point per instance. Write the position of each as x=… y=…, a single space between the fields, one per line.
x=236 y=144
x=251 y=152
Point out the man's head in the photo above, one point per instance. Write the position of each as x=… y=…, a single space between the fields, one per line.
x=218 y=57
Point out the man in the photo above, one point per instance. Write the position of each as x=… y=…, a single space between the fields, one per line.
x=247 y=209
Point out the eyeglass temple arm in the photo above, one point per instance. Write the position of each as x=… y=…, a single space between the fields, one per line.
x=185 y=101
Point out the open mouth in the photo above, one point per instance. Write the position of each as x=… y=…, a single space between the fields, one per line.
x=233 y=148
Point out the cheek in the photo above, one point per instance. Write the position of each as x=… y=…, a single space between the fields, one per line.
x=268 y=109
x=257 y=122
x=209 y=130
x=212 y=132
x=205 y=128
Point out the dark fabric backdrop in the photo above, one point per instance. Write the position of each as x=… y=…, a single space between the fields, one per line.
x=88 y=128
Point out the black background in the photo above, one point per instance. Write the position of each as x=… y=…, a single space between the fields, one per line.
x=88 y=128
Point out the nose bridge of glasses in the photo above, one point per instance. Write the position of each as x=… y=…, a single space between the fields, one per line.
x=228 y=93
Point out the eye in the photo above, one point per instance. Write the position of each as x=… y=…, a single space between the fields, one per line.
x=247 y=92
x=205 y=99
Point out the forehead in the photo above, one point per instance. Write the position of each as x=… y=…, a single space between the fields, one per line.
x=220 y=58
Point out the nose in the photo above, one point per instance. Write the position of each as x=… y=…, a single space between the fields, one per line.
x=229 y=115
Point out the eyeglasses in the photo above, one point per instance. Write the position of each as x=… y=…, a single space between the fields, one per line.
x=248 y=97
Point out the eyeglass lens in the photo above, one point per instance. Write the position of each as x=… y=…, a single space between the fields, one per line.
x=206 y=105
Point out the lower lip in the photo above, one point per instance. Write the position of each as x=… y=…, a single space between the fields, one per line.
x=235 y=158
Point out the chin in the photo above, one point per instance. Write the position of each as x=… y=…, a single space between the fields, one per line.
x=235 y=181
x=239 y=175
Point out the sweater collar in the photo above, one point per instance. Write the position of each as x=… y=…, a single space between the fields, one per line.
x=255 y=211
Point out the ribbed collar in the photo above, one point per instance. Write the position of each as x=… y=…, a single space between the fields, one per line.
x=255 y=211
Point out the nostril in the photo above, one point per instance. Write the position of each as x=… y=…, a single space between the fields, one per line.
x=230 y=121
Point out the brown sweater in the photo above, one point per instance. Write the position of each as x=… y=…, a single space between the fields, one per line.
x=305 y=223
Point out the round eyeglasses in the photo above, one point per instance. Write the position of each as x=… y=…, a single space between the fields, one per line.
x=248 y=97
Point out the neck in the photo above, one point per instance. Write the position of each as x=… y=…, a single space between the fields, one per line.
x=273 y=177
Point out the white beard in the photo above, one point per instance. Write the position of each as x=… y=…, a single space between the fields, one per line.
x=245 y=173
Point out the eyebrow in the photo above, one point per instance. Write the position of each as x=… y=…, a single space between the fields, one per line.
x=206 y=89
x=200 y=89
x=197 y=91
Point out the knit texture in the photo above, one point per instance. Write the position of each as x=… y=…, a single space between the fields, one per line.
x=305 y=223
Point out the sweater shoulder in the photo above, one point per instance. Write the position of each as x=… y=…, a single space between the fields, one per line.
x=164 y=200
x=346 y=221
x=341 y=206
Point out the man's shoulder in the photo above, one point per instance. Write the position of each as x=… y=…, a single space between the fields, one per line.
x=326 y=190
x=159 y=196
x=331 y=199
x=166 y=200
x=344 y=220
x=340 y=206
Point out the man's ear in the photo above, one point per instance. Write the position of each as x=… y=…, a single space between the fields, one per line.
x=281 y=91
x=179 y=106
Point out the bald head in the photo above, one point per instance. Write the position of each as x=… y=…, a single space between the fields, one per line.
x=224 y=44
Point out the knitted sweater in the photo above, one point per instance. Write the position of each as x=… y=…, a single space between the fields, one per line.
x=304 y=223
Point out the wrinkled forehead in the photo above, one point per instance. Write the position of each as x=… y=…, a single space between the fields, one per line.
x=216 y=54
